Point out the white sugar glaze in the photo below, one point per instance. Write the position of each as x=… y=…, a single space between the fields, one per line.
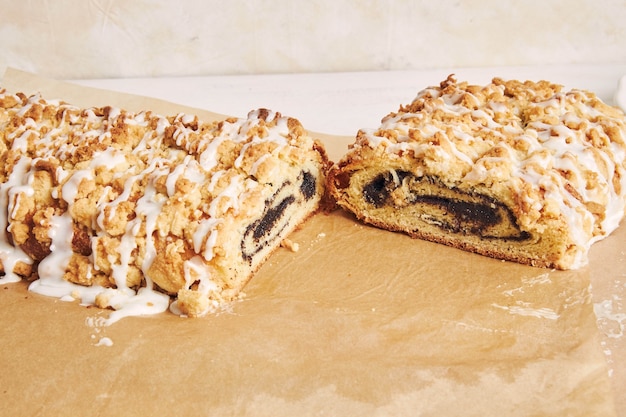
x=9 y=254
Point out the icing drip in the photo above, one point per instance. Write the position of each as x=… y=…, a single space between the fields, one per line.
x=52 y=268
x=9 y=254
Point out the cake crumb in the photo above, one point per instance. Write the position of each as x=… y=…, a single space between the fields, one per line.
x=290 y=244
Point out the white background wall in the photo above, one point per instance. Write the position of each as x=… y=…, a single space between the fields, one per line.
x=139 y=38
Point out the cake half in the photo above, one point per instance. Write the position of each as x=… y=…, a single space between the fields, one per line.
x=105 y=204
x=520 y=171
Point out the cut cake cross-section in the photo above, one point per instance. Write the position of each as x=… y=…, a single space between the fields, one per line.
x=127 y=209
x=521 y=171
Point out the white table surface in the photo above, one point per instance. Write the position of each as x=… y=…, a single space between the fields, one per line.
x=341 y=103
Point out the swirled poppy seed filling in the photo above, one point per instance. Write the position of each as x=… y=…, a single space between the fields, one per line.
x=454 y=210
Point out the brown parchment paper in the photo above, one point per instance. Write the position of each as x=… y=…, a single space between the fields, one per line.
x=359 y=321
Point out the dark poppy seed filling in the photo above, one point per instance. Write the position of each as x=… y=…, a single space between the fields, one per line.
x=377 y=191
x=270 y=226
x=447 y=208
x=308 y=186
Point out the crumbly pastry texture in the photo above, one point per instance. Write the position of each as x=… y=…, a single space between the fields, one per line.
x=520 y=171
x=128 y=209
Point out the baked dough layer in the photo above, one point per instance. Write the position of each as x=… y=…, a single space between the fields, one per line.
x=521 y=171
x=113 y=200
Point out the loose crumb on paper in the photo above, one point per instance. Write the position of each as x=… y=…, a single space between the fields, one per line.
x=97 y=325
x=318 y=238
x=290 y=244
x=295 y=247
